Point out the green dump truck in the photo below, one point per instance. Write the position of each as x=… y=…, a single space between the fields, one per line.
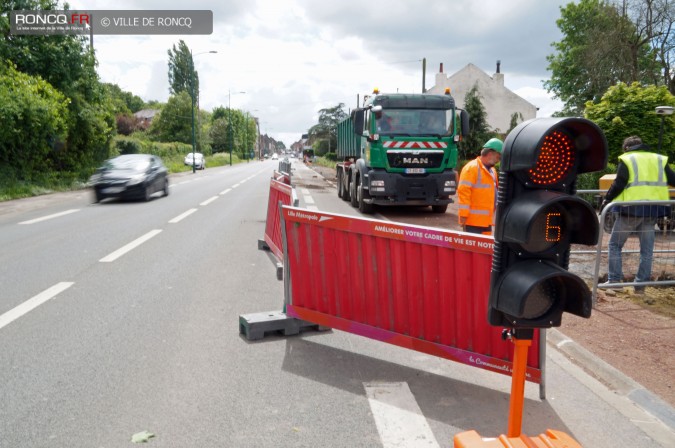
x=400 y=149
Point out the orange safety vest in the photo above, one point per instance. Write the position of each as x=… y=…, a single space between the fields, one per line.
x=476 y=191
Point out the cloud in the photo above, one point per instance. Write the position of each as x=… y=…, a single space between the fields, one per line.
x=294 y=57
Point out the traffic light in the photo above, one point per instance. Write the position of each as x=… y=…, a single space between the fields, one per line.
x=538 y=218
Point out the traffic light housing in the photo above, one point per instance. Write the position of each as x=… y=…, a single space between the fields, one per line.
x=538 y=218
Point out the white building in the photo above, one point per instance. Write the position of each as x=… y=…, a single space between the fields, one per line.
x=500 y=103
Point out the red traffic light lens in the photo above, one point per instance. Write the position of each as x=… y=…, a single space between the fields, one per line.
x=555 y=161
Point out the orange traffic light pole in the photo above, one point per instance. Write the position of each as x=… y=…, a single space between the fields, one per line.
x=521 y=346
x=522 y=340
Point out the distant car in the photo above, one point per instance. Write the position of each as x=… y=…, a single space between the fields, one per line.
x=200 y=162
x=130 y=176
x=275 y=156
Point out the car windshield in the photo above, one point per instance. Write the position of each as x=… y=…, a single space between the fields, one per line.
x=128 y=163
x=417 y=122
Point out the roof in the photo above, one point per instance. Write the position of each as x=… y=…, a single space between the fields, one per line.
x=146 y=113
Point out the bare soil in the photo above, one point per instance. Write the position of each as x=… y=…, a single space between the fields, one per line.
x=633 y=333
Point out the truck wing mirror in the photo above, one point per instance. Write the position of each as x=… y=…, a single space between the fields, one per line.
x=464 y=118
x=358 y=118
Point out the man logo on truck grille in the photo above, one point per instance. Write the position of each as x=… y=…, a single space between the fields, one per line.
x=416 y=160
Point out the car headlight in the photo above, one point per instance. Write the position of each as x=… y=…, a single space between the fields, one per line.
x=136 y=179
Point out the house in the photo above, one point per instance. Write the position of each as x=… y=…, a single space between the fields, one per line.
x=500 y=103
x=145 y=116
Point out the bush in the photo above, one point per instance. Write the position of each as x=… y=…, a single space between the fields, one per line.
x=126 y=145
x=331 y=156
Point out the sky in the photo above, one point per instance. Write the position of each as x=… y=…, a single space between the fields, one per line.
x=284 y=60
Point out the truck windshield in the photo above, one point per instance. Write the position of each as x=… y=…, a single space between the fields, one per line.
x=414 y=122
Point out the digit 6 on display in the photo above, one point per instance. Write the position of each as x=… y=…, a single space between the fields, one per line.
x=538 y=218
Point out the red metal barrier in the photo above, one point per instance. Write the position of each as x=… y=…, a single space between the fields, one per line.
x=421 y=288
x=282 y=177
x=279 y=192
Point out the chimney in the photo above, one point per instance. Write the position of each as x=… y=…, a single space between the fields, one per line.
x=498 y=64
x=441 y=69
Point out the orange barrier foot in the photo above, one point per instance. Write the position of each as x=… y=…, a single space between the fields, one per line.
x=551 y=439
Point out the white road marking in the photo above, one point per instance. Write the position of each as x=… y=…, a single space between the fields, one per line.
x=55 y=215
x=225 y=191
x=399 y=419
x=209 y=200
x=308 y=199
x=182 y=216
x=33 y=303
x=235 y=186
x=123 y=250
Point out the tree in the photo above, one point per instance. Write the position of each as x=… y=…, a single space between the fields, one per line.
x=626 y=110
x=516 y=118
x=600 y=47
x=478 y=125
x=34 y=124
x=219 y=135
x=327 y=128
x=65 y=62
x=174 y=123
x=181 y=71
x=218 y=112
x=653 y=21
x=123 y=102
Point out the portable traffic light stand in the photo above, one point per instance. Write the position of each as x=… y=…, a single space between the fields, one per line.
x=538 y=218
x=522 y=339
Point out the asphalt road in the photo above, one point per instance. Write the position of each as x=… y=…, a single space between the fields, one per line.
x=118 y=318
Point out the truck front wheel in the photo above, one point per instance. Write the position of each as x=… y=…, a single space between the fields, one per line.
x=353 y=199
x=364 y=207
x=439 y=208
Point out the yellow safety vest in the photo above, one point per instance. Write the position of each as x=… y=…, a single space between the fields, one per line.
x=646 y=177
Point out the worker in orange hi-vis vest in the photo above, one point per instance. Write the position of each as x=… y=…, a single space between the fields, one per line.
x=477 y=189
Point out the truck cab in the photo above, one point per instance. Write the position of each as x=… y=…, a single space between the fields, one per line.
x=404 y=153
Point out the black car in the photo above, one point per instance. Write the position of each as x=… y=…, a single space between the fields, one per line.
x=130 y=176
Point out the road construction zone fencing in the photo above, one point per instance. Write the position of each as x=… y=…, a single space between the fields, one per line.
x=663 y=258
x=281 y=193
x=285 y=168
x=415 y=287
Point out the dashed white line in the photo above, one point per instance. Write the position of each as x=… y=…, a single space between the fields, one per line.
x=33 y=303
x=235 y=186
x=55 y=215
x=182 y=216
x=225 y=191
x=209 y=200
x=123 y=250
x=398 y=417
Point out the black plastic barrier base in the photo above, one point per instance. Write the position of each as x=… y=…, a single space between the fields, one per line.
x=255 y=326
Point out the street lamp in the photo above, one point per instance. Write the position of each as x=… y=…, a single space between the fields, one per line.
x=663 y=111
x=192 y=92
x=229 y=119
